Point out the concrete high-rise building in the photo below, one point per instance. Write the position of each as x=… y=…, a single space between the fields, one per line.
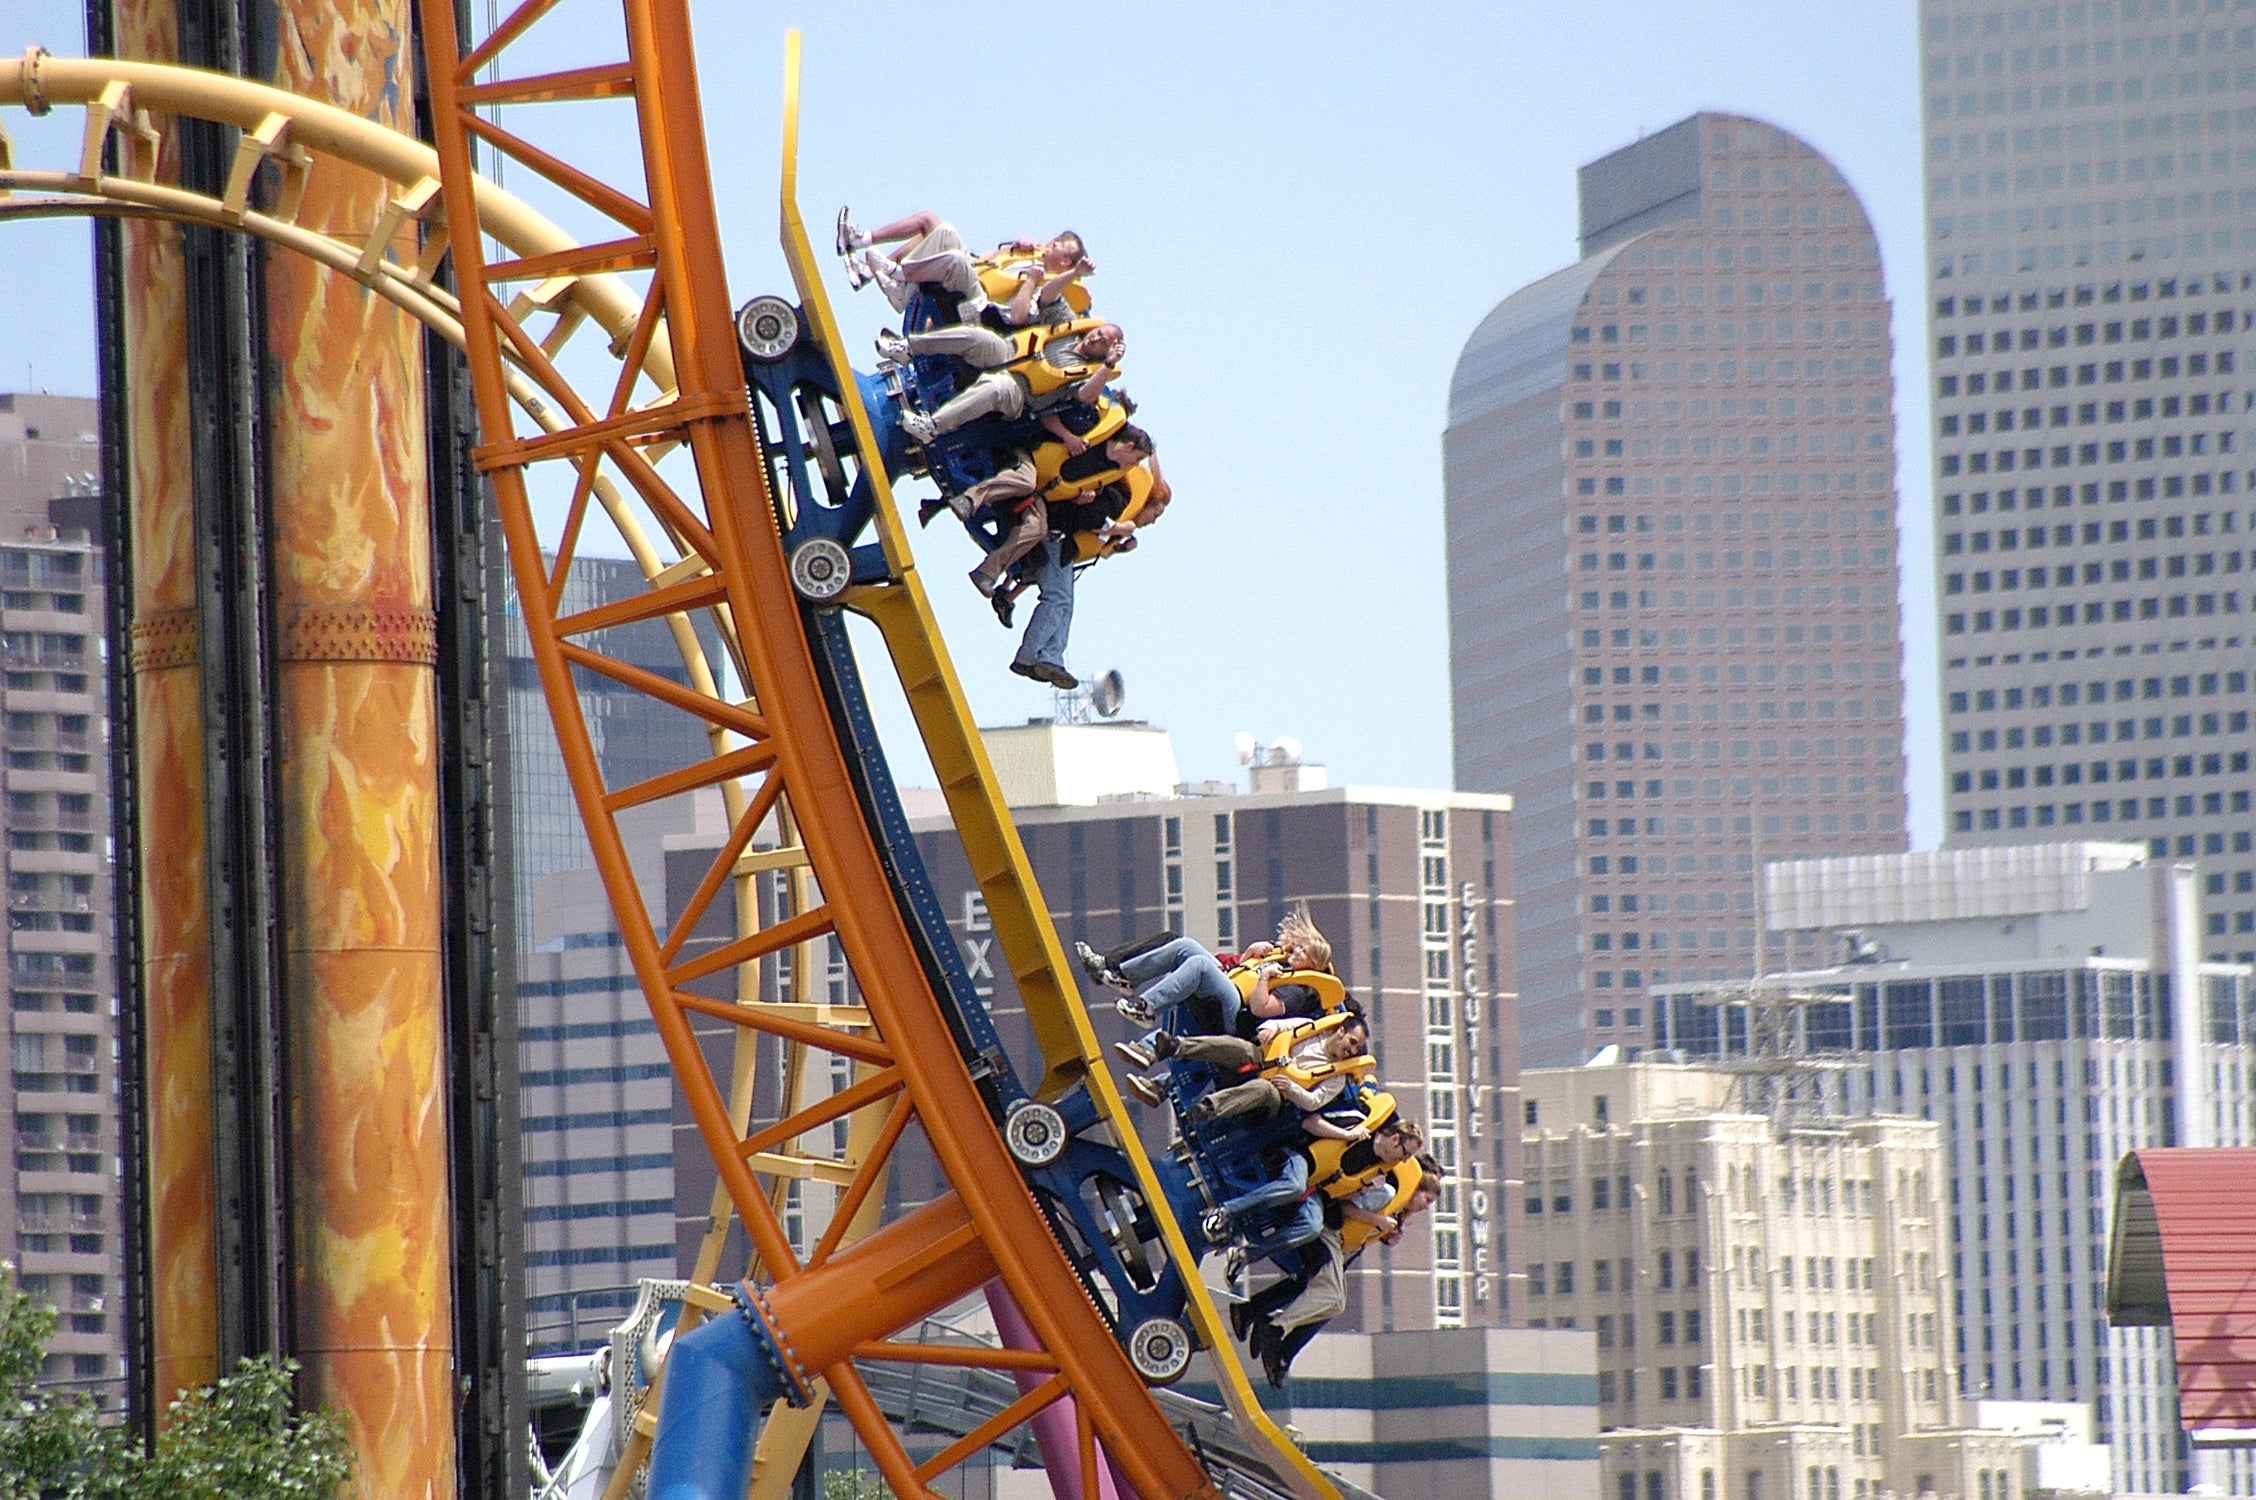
x=62 y=1217
x=2047 y=1006
x=2091 y=188
x=1770 y=1291
x=1672 y=569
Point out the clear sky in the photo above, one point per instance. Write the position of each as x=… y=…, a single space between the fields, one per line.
x=1299 y=213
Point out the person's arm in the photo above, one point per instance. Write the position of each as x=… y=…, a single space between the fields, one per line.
x=1020 y=308
x=1075 y=444
x=1323 y=1129
x=1254 y=952
x=1265 y=1031
x=1384 y=1223
x=1055 y=286
x=1089 y=390
x=1261 y=1002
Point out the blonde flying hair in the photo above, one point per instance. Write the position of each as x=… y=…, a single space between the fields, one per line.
x=1298 y=929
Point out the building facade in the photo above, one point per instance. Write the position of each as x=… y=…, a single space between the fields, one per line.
x=2091 y=187
x=1769 y=1291
x=635 y=736
x=1672 y=569
x=62 y=1218
x=2048 y=1008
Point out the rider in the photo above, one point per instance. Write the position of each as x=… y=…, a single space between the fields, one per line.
x=1098 y=526
x=1034 y=370
x=1299 y=1062
x=1284 y=1316
x=1369 y=1147
x=1031 y=280
x=1091 y=468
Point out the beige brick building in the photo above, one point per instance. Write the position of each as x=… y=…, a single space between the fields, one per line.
x=1769 y=1292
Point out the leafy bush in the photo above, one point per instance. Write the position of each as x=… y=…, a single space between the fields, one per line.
x=238 y=1438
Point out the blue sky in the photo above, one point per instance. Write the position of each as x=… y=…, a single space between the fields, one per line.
x=1299 y=213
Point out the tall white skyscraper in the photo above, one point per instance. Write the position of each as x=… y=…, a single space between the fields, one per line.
x=2091 y=187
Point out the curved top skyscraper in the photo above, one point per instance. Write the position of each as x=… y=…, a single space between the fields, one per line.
x=1673 y=562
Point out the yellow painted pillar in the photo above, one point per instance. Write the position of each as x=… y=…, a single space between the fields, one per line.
x=168 y=730
x=356 y=652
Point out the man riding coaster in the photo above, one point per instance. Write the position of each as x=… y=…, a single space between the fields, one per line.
x=1020 y=282
x=1030 y=371
x=1279 y=1320
x=1021 y=489
x=1293 y=1060
x=1081 y=532
x=1296 y=1191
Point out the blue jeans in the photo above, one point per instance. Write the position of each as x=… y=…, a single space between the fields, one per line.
x=1052 y=620
x=1307 y=1220
x=1177 y=971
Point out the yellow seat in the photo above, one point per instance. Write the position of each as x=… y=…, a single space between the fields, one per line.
x=1325 y=1174
x=1276 y=1052
x=1355 y=1234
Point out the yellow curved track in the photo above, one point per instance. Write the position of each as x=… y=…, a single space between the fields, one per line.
x=709 y=545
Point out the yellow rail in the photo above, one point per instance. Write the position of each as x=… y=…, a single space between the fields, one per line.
x=1029 y=940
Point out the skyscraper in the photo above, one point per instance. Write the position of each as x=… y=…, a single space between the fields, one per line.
x=63 y=1218
x=2091 y=186
x=1672 y=569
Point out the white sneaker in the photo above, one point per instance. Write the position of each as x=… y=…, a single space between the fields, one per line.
x=1138 y=1055
x=857 y=272
x=1135 y=1010
x=850 y=238
x=892 y=346
x=918 y=426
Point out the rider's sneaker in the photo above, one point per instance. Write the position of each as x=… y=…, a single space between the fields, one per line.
x=918 y=426
x=891 y=346
x=1164 y=1045
x=1138 y=1055
x=1005 y=608
x=928 y=509
x=1145 y=1090
x=1134 y=1010
x=1093 y=964
x=850 y=238
x=1215 y=1225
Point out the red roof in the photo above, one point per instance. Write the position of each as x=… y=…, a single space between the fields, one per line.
x=2184 y=1254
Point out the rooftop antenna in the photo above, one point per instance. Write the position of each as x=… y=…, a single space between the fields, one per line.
x=1100 y=698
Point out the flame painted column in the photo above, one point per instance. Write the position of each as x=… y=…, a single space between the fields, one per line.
x=175 y=961
x=356 y=649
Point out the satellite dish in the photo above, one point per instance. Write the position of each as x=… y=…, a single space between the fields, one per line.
x=1245 y=748
x=1288 y=749
x=1108 y=694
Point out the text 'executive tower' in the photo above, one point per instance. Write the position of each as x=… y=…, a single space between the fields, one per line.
x=1674 y=637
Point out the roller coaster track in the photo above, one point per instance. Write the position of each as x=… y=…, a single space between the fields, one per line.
x=672 y=461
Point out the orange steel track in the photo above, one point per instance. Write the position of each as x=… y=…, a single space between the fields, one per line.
x=650 y=278
x=990 y=1224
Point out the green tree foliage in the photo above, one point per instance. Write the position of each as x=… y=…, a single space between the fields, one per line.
x=854 y=1484
x=236 y=1439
